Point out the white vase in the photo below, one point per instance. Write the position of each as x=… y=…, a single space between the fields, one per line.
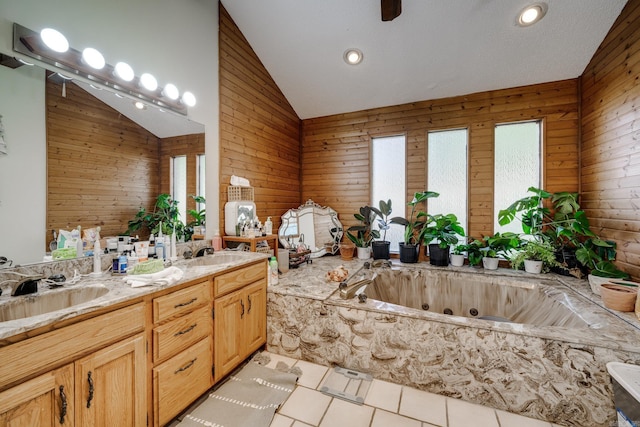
x=364 y=253
x=490 y=263
x=531 y=266
x=456 y=260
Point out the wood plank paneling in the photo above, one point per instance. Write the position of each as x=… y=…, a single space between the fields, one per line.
x=259 y=131
x=101 y=166
x=335 y=149
x=610 y=125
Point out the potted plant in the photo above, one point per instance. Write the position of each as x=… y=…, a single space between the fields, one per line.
x=362 y=235
x=165 y=212
x=409 y=248
x=380 y=248
x=457 y=257
x=535 y=256
x=199 y=217
x=444 y=229
x=498 y=245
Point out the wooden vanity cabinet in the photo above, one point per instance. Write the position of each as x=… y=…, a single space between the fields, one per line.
x=45 y=401
x=240 y=307
x=182 y=349
x=111 y=377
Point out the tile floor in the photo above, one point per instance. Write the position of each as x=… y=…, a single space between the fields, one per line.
x=385 y=405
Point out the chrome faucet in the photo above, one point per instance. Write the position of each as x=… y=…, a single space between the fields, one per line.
x=204 y=251
x=352 y=285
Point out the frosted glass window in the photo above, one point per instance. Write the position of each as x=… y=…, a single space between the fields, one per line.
x=179 y=184
x=388 y=181
x=447 y=173
x=517 y=167
x=201 y=178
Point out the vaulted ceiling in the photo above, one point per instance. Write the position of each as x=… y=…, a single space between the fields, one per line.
x=434 y=49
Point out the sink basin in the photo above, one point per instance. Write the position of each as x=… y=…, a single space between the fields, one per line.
x=218 y=258
x=48 y=301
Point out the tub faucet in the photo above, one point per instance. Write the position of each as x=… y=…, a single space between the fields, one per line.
x=350 y=287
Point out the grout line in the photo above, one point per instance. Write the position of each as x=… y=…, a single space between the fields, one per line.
x=446 y=411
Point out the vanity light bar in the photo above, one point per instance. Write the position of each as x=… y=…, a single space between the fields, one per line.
x=29 y=43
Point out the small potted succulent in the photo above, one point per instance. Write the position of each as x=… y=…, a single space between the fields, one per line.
x=409 y=248
x=444 y=230
x=362 y=235
x=380 y=248
x=535 y=256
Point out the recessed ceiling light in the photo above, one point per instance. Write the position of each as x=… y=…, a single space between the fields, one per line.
x=54 y=40
x=124 y=71
x=93 y=58
x=532 y=14
x=352 y=56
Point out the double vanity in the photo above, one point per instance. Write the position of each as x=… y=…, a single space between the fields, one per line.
x=127 y=356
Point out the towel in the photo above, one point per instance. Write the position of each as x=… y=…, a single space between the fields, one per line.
x=168 y=276
x=238 y=180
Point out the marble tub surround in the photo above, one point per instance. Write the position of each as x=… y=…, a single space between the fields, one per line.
x=119 y=292
x=552 y=373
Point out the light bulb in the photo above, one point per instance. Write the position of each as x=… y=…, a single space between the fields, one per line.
x=171 y=91
x=148 y=82
x=353 y=56
x=93 y=58
x=124 y=71
x=54 y=40
x=188 y=99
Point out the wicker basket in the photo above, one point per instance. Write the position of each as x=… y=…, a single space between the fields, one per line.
x=236 y=192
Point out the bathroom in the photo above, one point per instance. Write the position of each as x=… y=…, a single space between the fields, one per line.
x=296 y=171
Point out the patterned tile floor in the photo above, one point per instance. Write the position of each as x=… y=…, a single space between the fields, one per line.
x=386 y=404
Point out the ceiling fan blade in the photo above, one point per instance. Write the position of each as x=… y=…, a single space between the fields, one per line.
x=391 y=9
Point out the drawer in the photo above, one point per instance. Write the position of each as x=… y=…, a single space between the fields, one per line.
x=181 y=302
x=181 y=380
x=173 y=337
x=231 y=281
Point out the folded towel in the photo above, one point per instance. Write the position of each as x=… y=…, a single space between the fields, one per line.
x=168 y=276
x=238 y=180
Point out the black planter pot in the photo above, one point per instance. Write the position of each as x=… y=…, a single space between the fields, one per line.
x=409 y=253
x=380 y=249
x=438 y=256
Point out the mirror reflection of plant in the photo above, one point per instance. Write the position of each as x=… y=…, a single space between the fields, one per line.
x=413 y=226
x=165 y=211
x=199 y=216
x=383 y=212
x=362 y=235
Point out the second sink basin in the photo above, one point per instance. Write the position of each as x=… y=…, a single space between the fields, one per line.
x=49 y=301
x=218 y=258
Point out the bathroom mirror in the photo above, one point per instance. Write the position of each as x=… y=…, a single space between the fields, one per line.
x=317 y=227
x=23 y=90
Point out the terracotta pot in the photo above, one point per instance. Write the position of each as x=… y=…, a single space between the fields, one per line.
x=619 y=297
x=346 y=251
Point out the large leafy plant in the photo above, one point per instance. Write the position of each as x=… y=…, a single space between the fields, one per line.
x=444 y=229
x=416 y=221
x=383 y=211
x=362 y=235
x=165 y=212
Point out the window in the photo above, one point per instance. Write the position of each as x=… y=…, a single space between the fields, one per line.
x=517 y=166
x=388 y=180
x=200 y=179
x=179 y=184
x=447 y=173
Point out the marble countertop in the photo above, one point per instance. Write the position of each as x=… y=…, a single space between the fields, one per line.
x=118 y=291
x=608 y=328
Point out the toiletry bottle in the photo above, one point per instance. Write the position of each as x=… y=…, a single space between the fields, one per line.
x=167 y=248
x=122 y=263
x=174 y=250
x=160 y=247
x=268 y=226
x=273 y=271
x=216 y=242
x=152 y=246
x=97 y=265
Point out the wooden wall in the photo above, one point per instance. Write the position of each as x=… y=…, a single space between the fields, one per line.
x=184 y=145
x=259 y=131
x=101 y=166
x=336 y=149
x=610 y=172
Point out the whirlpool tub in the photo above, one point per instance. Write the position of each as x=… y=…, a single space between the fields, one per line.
x=535 y=345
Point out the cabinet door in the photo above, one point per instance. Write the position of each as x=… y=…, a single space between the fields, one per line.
x=111 y=386
x=45 y=401
x=255 y=322
x=230 y=311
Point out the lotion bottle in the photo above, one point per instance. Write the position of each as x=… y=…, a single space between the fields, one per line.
x=216 y=242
